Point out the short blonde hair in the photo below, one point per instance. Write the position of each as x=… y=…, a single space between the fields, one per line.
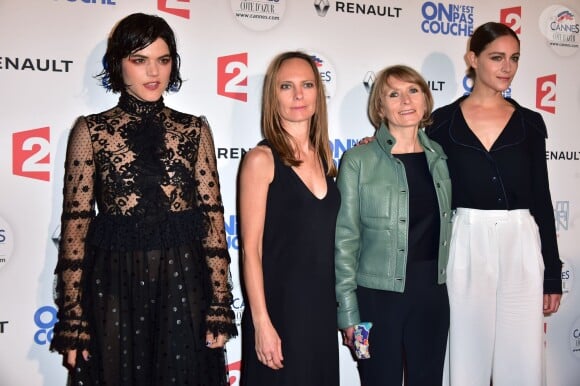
x=404 y=73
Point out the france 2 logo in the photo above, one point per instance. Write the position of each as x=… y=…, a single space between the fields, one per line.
x=174 y=7
x=546 y=93
x=234 y=369
x=232 y=76
x=31 y=154
x=512 y=17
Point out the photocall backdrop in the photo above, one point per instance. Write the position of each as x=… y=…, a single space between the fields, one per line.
x=50 y=51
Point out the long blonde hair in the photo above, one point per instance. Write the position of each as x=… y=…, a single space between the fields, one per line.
x=278 y=138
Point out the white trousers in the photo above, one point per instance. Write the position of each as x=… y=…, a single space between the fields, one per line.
x=495 y=282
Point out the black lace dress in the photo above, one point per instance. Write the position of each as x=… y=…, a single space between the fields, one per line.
x=145 y=275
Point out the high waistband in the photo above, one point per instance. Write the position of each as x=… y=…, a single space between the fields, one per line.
x=129 y=233
x=493 y=214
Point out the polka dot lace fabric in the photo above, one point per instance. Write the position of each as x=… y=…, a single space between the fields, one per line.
x=143 y=268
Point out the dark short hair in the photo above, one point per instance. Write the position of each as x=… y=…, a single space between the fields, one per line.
x=131 y=34
x=485 y=34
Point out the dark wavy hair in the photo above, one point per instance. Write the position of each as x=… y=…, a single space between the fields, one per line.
x=131 y=34
x=485 y=34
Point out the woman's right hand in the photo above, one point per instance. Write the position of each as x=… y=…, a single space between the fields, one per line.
x=70 y=358
x=348 y=337
x=269 y=346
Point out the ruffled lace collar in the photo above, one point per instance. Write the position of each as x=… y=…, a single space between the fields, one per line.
x=134 y=106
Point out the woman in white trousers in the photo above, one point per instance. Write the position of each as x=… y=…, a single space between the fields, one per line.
x=495 y=275
x=504 y=270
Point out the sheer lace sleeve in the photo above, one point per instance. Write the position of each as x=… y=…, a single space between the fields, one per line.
x=71 y=330
x=220 y=318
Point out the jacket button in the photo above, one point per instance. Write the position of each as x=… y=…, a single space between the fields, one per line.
x=390 y=141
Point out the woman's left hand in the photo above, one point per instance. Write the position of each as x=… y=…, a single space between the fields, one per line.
x=348 y=337
x=213 y=341
x=551 y=303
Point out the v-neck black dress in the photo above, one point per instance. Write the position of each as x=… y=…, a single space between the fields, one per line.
x=298 y=266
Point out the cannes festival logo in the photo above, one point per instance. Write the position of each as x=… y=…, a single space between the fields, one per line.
x=6 y=242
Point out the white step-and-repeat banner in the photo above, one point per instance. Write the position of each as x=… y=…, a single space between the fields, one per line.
x=50 y=51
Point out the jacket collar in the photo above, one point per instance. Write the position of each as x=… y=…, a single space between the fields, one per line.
x=386 y=140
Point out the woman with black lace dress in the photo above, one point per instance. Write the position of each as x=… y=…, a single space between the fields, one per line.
x=143 y=289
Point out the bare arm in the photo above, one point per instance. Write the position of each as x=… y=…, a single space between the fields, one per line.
x=255 y=176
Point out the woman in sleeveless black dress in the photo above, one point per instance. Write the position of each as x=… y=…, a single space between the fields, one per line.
x=288 y=208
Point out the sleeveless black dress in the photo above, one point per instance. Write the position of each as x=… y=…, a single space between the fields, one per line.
x=298 y=266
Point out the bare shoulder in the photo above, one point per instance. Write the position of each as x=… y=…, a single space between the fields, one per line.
x=259 y=156
x=259 y=163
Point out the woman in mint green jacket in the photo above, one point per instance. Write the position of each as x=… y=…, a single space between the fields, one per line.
x=392 y=237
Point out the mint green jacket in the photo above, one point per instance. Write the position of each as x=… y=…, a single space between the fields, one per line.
x=372 y=224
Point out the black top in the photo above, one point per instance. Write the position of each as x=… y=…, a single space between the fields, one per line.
x=513 y=174
x=143 y=266
x=151 y=174
x=424 y=221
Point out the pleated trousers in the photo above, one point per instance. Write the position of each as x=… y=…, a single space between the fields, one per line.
x=495 y=285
